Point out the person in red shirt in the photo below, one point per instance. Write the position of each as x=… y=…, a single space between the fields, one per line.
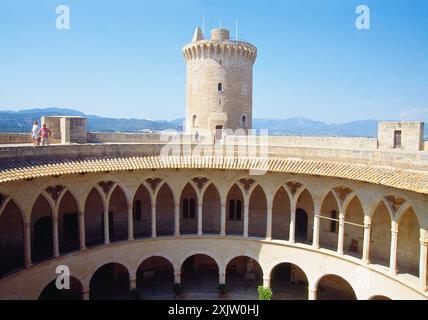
x=45 y=134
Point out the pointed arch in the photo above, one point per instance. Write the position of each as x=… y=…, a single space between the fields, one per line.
x=68 y=223
x=41 y=229
x=189 y=210
x=142 y=209
x=165 y=211
x=304 y=216
x=281 y=215
x=408 y=243
x=329 y=224
x=354 y=228
x=235 y=211
x=380 y=247
x=118 y=215
x=94 y=218
x=211 y=210
x=257 y=215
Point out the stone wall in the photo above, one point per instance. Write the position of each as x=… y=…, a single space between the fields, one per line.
x=15 y=138
x=412 y=135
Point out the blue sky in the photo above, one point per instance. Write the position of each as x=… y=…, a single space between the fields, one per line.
x=123 y=58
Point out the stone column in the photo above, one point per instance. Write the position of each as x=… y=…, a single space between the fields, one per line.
x=106 y=227
x=292 y=237
x=316 y=236
x=130 y=222
x=266 y=282
x=394 y=247
x=341 y=236
x=55 y=236
x=222 y=277
x=86 y=295
x=366 y=244
x=177 y=219
x=246 y=216
x=177 y=277
x=132 y=284
x=27 y=247
x=82 y=240
x=269 y=222
x=423 y=254
x=153 y=220
x=223 y=220
x=199 y=218
x=312 y=294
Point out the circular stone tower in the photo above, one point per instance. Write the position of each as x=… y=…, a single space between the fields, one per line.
x=219 y=83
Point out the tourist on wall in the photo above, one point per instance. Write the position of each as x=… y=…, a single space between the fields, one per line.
x=45 y=134
x=35 y=131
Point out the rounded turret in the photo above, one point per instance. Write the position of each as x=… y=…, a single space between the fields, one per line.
x=219 y=83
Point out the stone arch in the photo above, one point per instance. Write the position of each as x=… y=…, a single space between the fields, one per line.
x=329 y=224
x=142 y=212
x=50 y=291
x=68 y=223
x=334 y=287
x=41 y=229
x=354 y=228
x=11 y=238
x=200 y=272
x=281 y=207
x=408 y=243
x=94 y=218
x=118 y=215
x=288 y=282
x=235 y=211
x=304 y=217
x=110 y=282
x=379 y=297
x=244 y=274
x=211 y=210
x=155 y=278
x=165 y=209
x=257 y=215
x=189 y=210
x=380 y=247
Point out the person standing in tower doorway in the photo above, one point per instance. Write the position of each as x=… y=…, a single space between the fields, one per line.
x=45 y=134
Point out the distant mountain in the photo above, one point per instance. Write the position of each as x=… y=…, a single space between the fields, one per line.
x=21 y=121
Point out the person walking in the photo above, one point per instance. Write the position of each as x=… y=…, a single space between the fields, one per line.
x=35 y=131
x=45 y=134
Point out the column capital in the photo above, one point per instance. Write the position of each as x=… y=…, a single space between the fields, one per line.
x=423 y=242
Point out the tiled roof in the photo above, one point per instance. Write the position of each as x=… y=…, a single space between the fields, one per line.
x=411 y=180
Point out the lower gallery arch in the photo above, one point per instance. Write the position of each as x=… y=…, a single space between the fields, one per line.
x=200 y=276
x=94 y=221
x=408 y=243
x=333 y=287
x=281 y=215
x=42 y=230
x=155 y=278
x=354 y=229
x=142 y=213
x=118 y=216
x=211 y=210
x=51 y=292
x=304 y=217
x=243 y=276
x=289 y=282
x=188 y=211
x=165 y=211
x=235 y=212
x=380 y=298
x=380 y=236
x=68 y=224
x=329 y=224
x=257 y=215
x=11 y=239
x=109 y=282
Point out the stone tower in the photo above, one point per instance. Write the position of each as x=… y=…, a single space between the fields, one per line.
x=219 y=83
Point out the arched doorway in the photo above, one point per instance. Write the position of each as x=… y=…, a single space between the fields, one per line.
x=188 y=211
x=329 y=223
x=235 y=212
x=211 y=210
x=200 y=276
x=94 y=221
x=289 y=282
x=165 y=212
x=110 y=282
x=11 y=239
x=50 y=292
x=42 y=230
x=68 y=224
x=142 y=213
x=257 y=215
x=332 y=287
x=155 y=279
x=243 y=276
x=301 y=226
x=281 y=215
